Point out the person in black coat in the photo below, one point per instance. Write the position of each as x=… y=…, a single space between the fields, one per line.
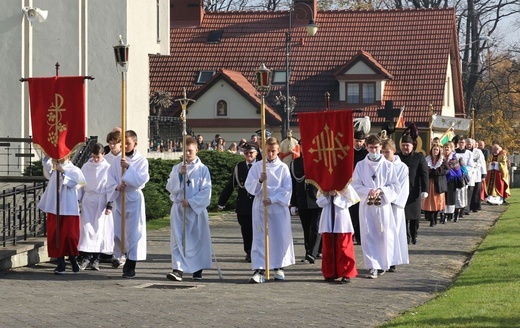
x=418 y=178
x=244 y=201
x=360 y=153
x=304 y=199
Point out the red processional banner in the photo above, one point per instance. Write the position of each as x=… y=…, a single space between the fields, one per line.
x=58 y=114
x=327 y=148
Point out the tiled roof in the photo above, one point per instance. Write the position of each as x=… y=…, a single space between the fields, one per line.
x=414 y=46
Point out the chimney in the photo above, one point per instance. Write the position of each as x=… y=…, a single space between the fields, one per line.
x=302 y=13
x=186 y=13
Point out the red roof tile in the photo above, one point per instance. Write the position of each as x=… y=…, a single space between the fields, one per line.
x=411 y=45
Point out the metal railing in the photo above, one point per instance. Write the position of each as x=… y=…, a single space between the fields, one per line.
x=16 y=156
x=21 y=218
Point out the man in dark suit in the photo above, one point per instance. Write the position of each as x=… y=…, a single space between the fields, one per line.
x=418 y=179
x=304 y=199
x=360 y=153
x=244 y=202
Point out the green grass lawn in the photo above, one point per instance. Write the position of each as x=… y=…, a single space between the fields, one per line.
x=487 y=292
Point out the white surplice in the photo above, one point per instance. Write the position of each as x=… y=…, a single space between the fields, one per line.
x=96 y=228
x=401 y=242
x=197 y=234
x=279 y=189
x=135 y=177
x=377 y=224
x=70 y=181
x=342 y=220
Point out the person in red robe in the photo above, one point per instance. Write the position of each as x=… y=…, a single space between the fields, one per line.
x=496 y=184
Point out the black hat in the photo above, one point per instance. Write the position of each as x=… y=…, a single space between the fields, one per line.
x=359 y=135
x=407 y=139
x=250 y=147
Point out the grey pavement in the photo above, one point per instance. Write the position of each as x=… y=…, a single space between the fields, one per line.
x=35 y=297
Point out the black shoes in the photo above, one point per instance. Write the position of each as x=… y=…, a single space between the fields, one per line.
x=74 y=264
x=129 y=269
x=309 y=258
x=345 y=280
x=392 y=268
x=248 y=258
x=176 y=275
x=197 y=275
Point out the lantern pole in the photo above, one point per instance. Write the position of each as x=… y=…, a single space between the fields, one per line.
x=263 y=77
x=121 y=56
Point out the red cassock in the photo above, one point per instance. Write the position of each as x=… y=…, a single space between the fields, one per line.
x=68 y=235
x=338 y=256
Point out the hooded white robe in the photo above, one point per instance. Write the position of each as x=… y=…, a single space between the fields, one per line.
x=136 y=176
x=96 y=228
x=198 y=237
x=377 y=224
x=279 y=190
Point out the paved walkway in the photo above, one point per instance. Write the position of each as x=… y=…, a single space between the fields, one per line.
x=34 y=297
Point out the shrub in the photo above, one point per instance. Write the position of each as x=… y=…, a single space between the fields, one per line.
x=157 y=198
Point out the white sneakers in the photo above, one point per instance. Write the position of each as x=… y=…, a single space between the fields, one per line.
x=279 y=274
x=258 y=277
x=374 y=273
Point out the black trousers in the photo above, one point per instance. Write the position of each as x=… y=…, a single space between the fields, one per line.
x=471 y=190
x=246 y=227
x=411 y=229
x=310 y=219
x=354 y=215
x=474 y=199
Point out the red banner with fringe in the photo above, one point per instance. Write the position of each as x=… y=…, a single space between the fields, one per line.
x=327 y=148
x=58 y=114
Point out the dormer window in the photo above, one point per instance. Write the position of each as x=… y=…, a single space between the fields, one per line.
x=362 y=80
x=361 y=93
x=204 y=76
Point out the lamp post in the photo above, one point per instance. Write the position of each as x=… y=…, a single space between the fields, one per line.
x=311 y=28
x=121 y=55
x=263 y=80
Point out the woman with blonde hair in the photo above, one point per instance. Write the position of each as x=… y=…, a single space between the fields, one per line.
x=437 y=185
x=233 y=148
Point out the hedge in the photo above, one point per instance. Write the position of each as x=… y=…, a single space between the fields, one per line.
x=157 y=199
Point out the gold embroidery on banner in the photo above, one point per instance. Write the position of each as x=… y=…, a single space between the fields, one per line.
x=54 y=119
x=329 y=148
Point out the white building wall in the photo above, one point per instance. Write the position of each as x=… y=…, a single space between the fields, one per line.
x=79 y=34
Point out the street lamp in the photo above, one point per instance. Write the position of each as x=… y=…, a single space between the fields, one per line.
x=121 y=54
x=263 y=85
x=311 y=28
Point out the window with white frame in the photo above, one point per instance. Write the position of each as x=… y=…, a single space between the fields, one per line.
x=361 y=92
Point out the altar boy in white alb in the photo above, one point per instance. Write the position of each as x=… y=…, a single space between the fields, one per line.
x=279 y=190
x=194 y=199
x=132 y=182
x=375 y=181
x=94 y=238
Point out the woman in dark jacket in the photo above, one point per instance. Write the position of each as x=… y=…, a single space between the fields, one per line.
x=437 y=185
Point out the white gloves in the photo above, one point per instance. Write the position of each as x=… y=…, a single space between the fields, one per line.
x=424 y=195
x=294 y=210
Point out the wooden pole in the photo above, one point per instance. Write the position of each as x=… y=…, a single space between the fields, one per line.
x=264 y=191
x=123 y=156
